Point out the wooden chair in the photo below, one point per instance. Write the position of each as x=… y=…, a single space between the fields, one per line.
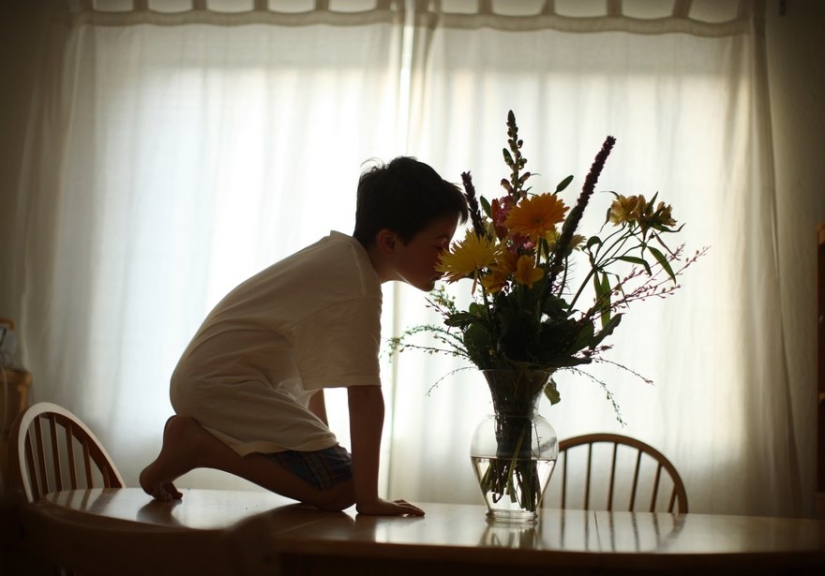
x=624 y=466
x=52 y=449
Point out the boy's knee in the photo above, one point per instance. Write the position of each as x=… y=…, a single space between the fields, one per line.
x=337 y=498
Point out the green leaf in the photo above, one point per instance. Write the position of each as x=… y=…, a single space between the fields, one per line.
x=552 y=392
x=476 y=309
x=477 y=341
x=593 y=240
x=460 y=319
x=485 y=205
x=603 y=291
x=636 y=260
x=563 y=184
x=606 y=330
x=583 y=339
x=554 y=307
x=663 y=262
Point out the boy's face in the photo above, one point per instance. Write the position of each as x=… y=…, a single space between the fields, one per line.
x=415 y=261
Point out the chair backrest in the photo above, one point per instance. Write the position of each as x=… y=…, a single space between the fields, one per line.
x=624 y=468
x=52 y=449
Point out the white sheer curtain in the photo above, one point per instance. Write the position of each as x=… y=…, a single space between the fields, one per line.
x=684 y=96
x=199 y=148
x=171 y=154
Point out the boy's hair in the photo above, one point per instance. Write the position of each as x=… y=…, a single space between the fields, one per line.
x=404 y=196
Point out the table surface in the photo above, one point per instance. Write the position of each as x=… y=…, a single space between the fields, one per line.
x=452 y=532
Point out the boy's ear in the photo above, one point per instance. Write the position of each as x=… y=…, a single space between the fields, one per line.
x=386 y=240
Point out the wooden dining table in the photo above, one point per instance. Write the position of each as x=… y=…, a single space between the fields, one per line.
x=256 y=532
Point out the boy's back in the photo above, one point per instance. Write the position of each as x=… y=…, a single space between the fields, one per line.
x=266 y=335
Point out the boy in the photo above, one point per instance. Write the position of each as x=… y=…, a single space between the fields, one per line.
x=248 y=390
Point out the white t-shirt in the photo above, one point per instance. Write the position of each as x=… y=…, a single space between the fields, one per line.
x=310 y=321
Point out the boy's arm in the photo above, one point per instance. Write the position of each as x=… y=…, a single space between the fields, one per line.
x=366 y=415
x=318 y=407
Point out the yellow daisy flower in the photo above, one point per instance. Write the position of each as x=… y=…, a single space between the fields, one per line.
x=468 y=257
x=526 y=271
x=535 y=216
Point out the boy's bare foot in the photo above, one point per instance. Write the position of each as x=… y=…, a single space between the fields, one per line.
x=188 y=445
x=182 y=439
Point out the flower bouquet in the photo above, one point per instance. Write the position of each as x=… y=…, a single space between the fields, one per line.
x=527 y=312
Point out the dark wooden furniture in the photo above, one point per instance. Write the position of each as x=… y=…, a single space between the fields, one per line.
x=52 y=449
x=262 y=533
x=820 y=355
x=640 y=477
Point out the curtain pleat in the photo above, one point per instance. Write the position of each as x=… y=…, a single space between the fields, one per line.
x=362 y=12
x=725 y=18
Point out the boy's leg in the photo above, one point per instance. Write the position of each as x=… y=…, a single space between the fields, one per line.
x=187 y=445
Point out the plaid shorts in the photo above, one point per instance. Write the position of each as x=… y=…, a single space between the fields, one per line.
x=321 y=468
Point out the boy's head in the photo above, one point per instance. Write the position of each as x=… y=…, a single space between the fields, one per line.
x=404 y=196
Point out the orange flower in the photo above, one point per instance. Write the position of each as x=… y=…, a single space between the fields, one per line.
x=626 y=209
x=661 y=218
x=493 y=282
x=553 y=236
x=500 y=271
x=637 y=210
x=535 y=216
x=526 y=271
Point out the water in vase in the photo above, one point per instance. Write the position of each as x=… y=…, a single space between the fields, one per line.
x=513 y=488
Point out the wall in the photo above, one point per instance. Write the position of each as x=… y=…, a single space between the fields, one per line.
x=22 y=24
x=22 y=31
x=797 y=84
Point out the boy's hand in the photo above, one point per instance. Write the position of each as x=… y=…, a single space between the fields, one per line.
x=366 y=416
x=381 y=507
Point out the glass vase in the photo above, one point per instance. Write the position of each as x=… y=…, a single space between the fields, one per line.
x=514 y=450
